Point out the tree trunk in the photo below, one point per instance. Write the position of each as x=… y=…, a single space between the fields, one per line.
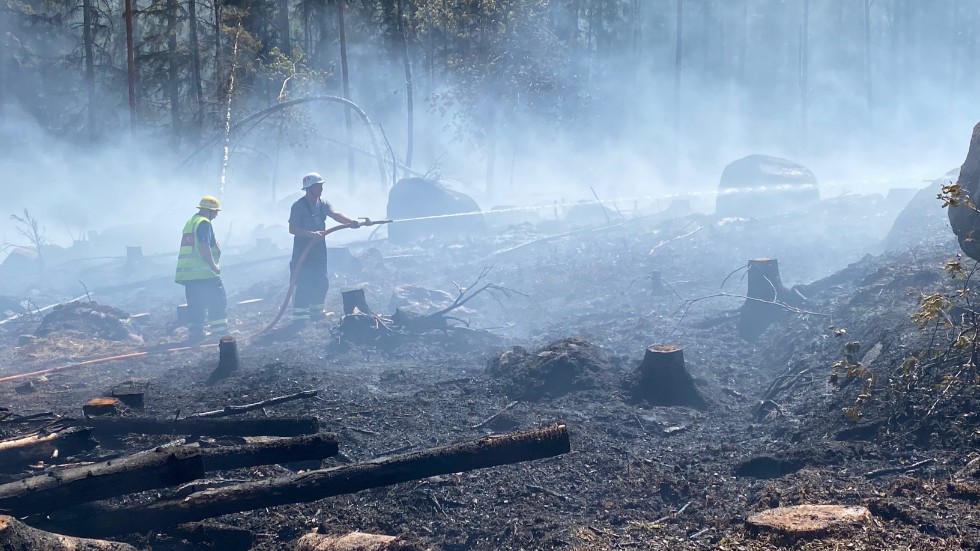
x=203 y=426
x=16 y=536
x=348 y=124
x=867 y=61
x=409 y=99
x=285 y=44
x=489 y=451
x=88 y=43
x=804 y=74
x=130 y=65
x=678 y=58
x=195 y=61
x=64 y=488
x=173 y=83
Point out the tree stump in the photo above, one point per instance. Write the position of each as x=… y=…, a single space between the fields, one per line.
x=101 y=405
x=807 y=520
x=17 y=536
x=355 y=299
x=765 y=290
x=657 y=284
x=227 y=359
x=663 y=380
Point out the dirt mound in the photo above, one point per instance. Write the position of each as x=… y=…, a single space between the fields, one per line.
x=90 y=319
x=564 y=366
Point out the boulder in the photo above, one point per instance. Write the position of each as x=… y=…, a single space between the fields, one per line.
x=922 y=221
x=965 y=219
x=420 y=198
x=759 y=185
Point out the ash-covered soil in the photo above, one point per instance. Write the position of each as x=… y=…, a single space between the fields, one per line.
x=559 y=341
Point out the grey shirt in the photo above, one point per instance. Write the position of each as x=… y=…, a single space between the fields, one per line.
x=310 y=218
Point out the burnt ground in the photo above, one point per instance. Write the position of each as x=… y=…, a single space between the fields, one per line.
x=781 y=428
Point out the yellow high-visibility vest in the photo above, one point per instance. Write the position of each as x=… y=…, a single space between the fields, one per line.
x=190 y=265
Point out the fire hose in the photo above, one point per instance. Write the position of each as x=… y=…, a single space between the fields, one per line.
x=299 y=264
x=282 y=309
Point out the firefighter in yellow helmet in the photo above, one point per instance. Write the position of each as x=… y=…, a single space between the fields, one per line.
x=200 y=274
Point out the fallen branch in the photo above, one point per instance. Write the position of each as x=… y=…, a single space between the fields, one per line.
x=235 y=410
x=488 y=451
x=494 y=416
x=675 y=514
x=900 y=469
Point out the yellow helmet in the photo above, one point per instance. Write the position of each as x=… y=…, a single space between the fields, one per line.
x=209 y=202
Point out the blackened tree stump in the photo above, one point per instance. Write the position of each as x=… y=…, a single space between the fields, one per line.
x=663 y=379
x=227 y=360
x=766 y=300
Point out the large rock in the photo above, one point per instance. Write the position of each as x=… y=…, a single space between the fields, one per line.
x=965 y=220
x=922 y=221
x=420 y=198
x=758 y=185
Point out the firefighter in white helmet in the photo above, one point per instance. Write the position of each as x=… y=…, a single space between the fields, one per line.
x=200 y=274
x=307 y=222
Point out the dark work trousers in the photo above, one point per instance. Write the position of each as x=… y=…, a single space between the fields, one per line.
x=311 y=285
x=205 y=300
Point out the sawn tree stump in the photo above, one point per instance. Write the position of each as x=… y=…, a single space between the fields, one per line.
x=807 y=520
x=663 y=380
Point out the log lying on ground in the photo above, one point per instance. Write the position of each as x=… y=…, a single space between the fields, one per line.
x=489 y=451
x=41 y=446
x=17 y=536
x=157 y=468
x=276 y=450
x=203 y=426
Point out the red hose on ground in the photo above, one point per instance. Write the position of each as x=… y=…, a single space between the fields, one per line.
x=282 y=309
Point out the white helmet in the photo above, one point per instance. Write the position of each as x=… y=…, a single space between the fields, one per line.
x=311 y=180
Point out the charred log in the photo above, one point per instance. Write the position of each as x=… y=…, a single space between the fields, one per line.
x=203 y=426
x=311 y=486
x=277 y=450
x=158 y=468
